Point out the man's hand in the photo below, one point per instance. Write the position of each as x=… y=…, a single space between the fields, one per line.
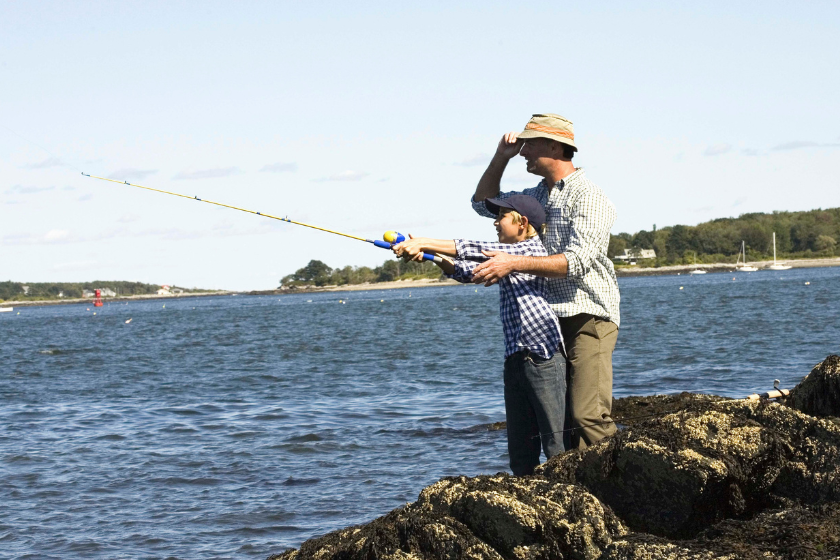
x=509 y=145
x=491 y=271
x=411 y=249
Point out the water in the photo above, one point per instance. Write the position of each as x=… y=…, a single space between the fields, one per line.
x=235 y=427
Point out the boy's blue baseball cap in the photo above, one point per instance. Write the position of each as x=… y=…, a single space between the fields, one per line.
x=525 y=204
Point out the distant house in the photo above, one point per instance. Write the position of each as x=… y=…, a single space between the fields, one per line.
x=103 y=292
x=164 y=291
x=25 y=290
x=630 y=256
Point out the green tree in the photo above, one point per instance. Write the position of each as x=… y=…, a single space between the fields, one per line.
x=616 y=247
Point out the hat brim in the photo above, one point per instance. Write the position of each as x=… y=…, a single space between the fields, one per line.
x=493 y=205
x=526 y=134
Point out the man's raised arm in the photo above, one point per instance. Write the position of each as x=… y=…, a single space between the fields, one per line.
x=490 y=182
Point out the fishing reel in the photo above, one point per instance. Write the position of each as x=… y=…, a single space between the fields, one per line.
x=393 y=237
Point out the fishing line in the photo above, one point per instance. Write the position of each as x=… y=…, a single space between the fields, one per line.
x=391 y=237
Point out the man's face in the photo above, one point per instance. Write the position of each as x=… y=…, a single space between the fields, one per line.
x=538 y=153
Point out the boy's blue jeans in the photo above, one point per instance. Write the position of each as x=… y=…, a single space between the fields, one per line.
x=535 y=406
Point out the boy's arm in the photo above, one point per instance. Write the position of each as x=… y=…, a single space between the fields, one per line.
x=413 y=248
x=462 y=270
x=447 y=265
x=475 y=250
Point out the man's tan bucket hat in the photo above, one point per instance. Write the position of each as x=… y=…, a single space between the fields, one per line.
x=553 y=127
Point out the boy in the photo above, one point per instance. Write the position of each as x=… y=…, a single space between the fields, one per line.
x=535 y=382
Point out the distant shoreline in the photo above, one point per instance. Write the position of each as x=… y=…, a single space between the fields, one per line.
x=420 y=283
x=89 y=301
x=396 y=284
x=625 y=271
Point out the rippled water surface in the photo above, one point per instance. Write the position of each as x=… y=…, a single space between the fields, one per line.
x=235 y=427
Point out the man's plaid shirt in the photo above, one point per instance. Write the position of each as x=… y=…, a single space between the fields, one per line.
x=579 y=218
x=527 y=320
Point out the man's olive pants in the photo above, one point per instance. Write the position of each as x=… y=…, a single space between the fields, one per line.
x=590 y=342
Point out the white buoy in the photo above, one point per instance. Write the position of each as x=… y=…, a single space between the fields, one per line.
x=127 y=322
x=807 y=283
x=681 y=287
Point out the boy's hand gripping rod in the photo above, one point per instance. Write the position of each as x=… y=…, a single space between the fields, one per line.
x=391 y=237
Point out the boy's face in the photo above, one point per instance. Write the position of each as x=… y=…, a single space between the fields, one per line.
x=508 y=231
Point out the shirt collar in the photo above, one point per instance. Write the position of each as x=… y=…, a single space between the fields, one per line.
x=570 y=179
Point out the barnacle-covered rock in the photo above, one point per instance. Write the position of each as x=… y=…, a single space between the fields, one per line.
x=689 y=477
x=819 y=392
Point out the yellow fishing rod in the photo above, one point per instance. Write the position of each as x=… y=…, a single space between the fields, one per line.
x=391 y=238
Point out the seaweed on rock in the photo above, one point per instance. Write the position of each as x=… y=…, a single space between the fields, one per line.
x=689 y=477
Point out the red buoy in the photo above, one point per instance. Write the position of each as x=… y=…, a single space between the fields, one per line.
x=98 y=301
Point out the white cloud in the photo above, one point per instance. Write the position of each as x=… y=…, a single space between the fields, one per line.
x=207 y=174
x=750 y=152
x=478 y=159
x=47 y=163
x=85 y=198
x=280 y=168
x=345 y=176
x=806 y=144
x=128 y=218
x=56 y=235
x=131 y=173
x=17 y=189
x=53 y=236
x=77 y=265
x=717 y=149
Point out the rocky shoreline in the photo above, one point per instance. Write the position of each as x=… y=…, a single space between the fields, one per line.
x=688 y=477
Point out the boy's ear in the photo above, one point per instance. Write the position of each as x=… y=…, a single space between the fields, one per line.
x=524 y=223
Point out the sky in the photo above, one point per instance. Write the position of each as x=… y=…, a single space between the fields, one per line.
x=382 y=116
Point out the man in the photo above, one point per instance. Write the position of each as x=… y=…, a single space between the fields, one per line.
x=582 y=287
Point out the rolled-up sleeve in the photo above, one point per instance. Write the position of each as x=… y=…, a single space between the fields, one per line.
x=591 y=220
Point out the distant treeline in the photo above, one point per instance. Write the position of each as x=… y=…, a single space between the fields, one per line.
x=809 y=234
x=20 y=291
x=320 y=274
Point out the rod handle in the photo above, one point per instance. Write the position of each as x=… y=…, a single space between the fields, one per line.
x=385 y=245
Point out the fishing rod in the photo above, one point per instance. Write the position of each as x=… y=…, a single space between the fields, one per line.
x=390 y=238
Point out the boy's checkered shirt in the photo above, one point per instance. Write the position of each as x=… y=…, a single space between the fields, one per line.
x=527 y=320
x=579 y=217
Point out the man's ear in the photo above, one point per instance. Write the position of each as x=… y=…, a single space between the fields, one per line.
x=524 y=223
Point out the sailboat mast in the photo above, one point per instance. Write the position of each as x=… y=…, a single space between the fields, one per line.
x=774 y=248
